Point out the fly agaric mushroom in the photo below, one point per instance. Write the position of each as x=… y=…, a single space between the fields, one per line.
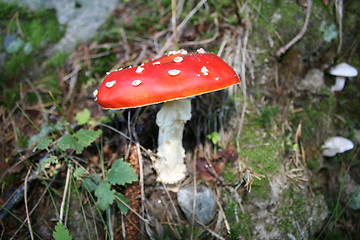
x=341 y=71
x=171 y=79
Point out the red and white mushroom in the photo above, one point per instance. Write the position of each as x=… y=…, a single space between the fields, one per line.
x=171 y=80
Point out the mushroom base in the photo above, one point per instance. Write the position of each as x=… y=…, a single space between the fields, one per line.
x=171 y=120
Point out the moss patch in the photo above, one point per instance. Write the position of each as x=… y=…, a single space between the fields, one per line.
x=24 y=34
x=316 y=119
x=262 y=151
x=240 y=223
x=292 y=208
x=261 y=188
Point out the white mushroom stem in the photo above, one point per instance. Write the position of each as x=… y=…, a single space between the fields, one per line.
x=339 y=84
x=171 y=120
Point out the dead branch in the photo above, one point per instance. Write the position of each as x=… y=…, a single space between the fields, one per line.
x=283 y=49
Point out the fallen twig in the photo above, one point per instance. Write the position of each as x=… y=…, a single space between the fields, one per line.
x=141 y=178
x=180 y=27
x=339 y=17
x=283 y=49
x=68 y=174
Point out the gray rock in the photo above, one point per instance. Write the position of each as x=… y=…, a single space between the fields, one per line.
x=313 y=81
x=205 y=203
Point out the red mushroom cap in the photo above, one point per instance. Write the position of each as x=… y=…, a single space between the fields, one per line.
x=171 y=77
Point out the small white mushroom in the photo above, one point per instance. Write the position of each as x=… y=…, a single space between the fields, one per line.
x=205 y=71
x=174 y=72
x=178 y=59
x=110 y=84
x=139 y=69
x=341 y=71
x=335 y=145
x=136 y=83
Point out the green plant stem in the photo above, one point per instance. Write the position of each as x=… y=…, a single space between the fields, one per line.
x=27 y=117
x=333 y=214
x=22 y=222
x=82 y=207
x=109 y=225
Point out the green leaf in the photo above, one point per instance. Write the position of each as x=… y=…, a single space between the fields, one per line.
x=43 y=144
x=44 y=132
x=86 y=137
x=104 y=119
x=105 y=195
x=124 y=209
x=46 y=162
x=61 y=233
x=83 y=117
x=68 y=141
x=214 y=137
x=79 y=173
x=121 y=173
x=91 y=182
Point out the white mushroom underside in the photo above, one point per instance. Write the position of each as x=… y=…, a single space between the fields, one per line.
x=171 y=120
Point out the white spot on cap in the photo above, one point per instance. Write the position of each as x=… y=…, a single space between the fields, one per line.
x=198 y=75
x=119 y=69
x=139 y=69
x=183 y=51
x=110 y=84
x=178 y=59
x=136 y=83
x=156 y=63
x=205 y=71
x=174 y=72
x=95 y=93
x=201 y=50
x=107 y=73
x=217 y=78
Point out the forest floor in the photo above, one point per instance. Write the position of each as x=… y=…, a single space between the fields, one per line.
x=72 y=170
